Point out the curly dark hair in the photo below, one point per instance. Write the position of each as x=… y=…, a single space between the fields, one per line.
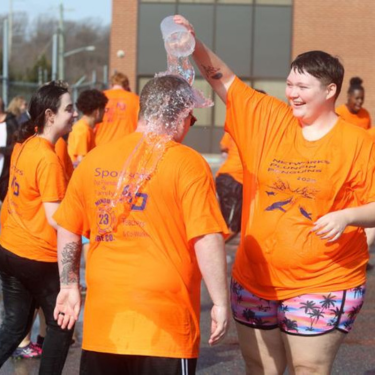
x=90 y=100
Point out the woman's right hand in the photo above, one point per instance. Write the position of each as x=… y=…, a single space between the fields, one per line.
x=184 y=22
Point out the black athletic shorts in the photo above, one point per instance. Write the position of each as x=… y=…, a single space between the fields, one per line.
x=95 y=363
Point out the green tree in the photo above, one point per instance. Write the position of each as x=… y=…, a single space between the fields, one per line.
x=42 y=64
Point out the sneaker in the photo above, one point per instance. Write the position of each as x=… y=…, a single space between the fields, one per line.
x=39 y=342
x=27 y=352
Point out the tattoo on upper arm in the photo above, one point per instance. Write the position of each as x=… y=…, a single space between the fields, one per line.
x=211 y=72
x=70 y=261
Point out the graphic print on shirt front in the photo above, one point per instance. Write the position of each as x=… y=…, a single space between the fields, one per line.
x=295 y=185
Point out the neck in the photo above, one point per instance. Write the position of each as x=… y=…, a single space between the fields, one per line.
x=89 y=120
x=319 y=127
x=143 y=128
x=49 y=134
x=49 y=137
x=117 y=87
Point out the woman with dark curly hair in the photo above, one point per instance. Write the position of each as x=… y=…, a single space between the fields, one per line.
x=28 y=255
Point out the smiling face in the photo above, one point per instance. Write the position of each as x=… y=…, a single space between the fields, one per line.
x=308 y=97
x=355 y=100
x=62 y=120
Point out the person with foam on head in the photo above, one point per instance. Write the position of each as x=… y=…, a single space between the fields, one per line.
x=148 y=204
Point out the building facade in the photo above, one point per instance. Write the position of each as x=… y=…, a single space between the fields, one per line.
x=256 y=38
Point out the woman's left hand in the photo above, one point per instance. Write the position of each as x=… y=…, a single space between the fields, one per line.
x=331 y=226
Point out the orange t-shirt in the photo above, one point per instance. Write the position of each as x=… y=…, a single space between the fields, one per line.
x=289 y=183
x=361 y=119
x=81 y=140
x=371 y=132
x=143 y=279
x=120 y=117
x=36 y=176
x=61 y=149
x=232 y=165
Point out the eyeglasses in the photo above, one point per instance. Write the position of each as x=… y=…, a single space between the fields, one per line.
x=193 y=120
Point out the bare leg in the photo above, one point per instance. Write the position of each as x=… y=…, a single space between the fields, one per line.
x=263 y=350
x=42 y=324
x=312 y=355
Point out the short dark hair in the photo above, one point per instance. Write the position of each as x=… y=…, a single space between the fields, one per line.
x=90 y=100
x=165 y=98
x=46 y=97
x=321 y=65
x=355 y=84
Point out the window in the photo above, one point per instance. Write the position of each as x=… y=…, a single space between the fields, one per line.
x=203 y=115
x=275 y=88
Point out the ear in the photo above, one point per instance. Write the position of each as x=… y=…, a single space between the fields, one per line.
x=49 y=115
x=331 y=90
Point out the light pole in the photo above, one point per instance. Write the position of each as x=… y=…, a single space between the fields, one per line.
x=61 y=43
x=58 y=57
x=5 y=76
x=78 y=50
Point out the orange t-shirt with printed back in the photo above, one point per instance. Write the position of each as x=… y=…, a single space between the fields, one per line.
x=142 y=276
x=120 y=116
x=232 y=165
x=61 y=149
x=81 y=140
x=361 y=119
x=289 y=183
x=36 y=177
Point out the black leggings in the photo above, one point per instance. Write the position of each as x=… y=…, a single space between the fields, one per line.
x=229 y=192
x=27 y=284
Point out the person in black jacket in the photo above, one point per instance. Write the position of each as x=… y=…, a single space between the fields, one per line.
x=8 y=131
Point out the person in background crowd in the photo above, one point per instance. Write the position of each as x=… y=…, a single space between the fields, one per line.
x=91 y=103
x=229 y=180
x=8 y=133
x=18 y=107
x=353 y=110
x=121 y=113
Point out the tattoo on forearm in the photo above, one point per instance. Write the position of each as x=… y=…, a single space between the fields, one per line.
x=211 y=72
x=70 y=259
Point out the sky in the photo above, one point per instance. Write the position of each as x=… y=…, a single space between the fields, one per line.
x=75 y=10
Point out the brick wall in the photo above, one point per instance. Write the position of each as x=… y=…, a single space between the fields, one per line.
x=340 y=27
x=124 y=37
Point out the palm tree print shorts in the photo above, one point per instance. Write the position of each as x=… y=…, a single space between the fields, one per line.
x=306 y=315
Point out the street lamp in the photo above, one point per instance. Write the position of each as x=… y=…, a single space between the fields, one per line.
x=59 y=56
x=78 y=50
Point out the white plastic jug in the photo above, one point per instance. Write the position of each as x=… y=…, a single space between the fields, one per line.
x=178 y=41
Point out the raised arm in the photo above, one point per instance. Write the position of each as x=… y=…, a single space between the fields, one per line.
x=214 y=70
x=210 y=254
x=68 y=301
